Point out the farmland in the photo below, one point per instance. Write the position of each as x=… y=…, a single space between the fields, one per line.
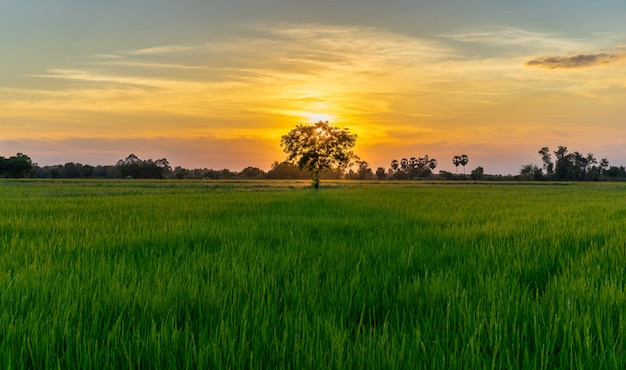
x=197 y=274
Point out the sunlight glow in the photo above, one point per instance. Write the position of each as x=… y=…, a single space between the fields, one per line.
x=316 y=117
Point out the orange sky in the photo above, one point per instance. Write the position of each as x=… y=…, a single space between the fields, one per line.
x=497 y=91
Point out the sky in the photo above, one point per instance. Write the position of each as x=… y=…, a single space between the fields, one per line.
x=215 y=83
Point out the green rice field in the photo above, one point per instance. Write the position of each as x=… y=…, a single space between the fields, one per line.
x=272 y=275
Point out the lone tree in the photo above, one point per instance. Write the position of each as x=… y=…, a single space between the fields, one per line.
x=318 y=147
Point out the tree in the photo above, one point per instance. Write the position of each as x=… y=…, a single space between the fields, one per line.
x=546 y=157
x=318 y=147
x=380 y=173
x=477 y=174
x=530 y=172
x=286 y=170
x=394 y=165
x=463 y=161
x=19 y=165
x=460 y=160
x=573 y=166
x=432 y=164
x=363 y=171
x=87 y=171
x=72 y=170
x=412 y=168
x=134 y=167
x=456 y=161
x=252 y=173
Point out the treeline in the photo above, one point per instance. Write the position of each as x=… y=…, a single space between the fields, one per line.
x=558 y=165
x=571 y=166
x=21 y=166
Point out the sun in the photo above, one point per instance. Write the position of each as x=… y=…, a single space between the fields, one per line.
x=316 y=117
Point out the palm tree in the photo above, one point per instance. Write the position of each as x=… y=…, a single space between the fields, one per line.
x=463 y=161
x=432 y=164
x=456 y=160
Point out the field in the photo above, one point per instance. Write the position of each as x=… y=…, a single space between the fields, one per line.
x=165 y=274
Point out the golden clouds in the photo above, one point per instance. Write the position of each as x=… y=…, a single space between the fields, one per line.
x=394 y=90
x=575 y=61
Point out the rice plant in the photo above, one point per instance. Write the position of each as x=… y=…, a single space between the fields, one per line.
x=160 y=274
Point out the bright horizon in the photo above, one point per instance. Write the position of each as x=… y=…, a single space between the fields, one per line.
x=216 y=85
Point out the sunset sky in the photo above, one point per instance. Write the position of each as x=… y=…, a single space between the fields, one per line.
x=215 y=83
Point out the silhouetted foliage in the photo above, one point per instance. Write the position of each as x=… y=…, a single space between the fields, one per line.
x=530 y=172
x=478 y=173
x=252 y=173
x=462 y=160
x=133 y=167
x=363 y=171
x=380 y=173
x=412 y=168
x=546 y=157
x=572 y=166
x=318 y=147
x=286 y=170
x=566 y=165
x=17 y=166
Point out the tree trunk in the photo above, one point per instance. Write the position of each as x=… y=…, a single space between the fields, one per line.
x=316 y=179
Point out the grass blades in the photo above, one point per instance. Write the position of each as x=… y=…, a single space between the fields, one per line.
x=160 y=274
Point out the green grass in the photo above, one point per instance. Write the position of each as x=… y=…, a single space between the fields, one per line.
x=160 y=274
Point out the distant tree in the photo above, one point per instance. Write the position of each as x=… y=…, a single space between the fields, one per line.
x=252 y=173
x=363 y=171
x=564 y=166
x=604 y=164
x=335 y=173
x=432 y=164
x=226 y=174
x=19 y=165
x=456 y=161
x=463 y=161
x=318 y=147
x=286 y=170
x=477 y=174
x=412 y=168
x=615 y=172
x=546 y=157
x=164 y=165
x=210 y=174
x=86 y=171
x=395 y=165
x=380 y=173
x=530 y=172
x=71 y=170
x=106 y=172
x=573 y=166
x=134 y=167
x=181 y=173
x=445 y=175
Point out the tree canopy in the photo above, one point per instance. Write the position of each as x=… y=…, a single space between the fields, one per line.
x=19 y=165
x=318 y=147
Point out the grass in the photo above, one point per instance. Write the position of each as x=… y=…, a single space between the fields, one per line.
x=160 y=274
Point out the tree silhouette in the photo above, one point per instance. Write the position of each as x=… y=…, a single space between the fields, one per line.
x=432 y=164
x=318 y=147
x=463 y=161
x=456 y=160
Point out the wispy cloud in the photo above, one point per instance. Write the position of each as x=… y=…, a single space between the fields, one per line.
x=259 y=83
x=517 y=40
x=575 y=61
x=164 y=49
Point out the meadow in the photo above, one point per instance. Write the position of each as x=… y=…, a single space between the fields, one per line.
x=217 y=274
